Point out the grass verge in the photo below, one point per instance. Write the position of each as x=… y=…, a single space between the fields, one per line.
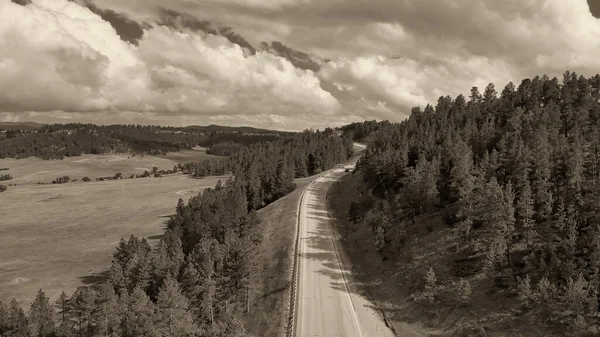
x=270 y=294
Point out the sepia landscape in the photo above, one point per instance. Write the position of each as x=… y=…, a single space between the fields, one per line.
x=298 y=168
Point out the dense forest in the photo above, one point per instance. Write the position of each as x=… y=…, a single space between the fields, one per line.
x=516 y=177
x=56 y=141
x=362 y=131
x=195 y=282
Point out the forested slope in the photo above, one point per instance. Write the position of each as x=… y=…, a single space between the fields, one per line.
x=55 y=141
x=514 y=177
x=195 y=283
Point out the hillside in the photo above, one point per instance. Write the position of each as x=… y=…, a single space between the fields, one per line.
x=480 y=215
x=19 y=125
x=56 y=141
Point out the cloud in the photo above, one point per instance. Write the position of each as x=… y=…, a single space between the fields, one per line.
x=129 y=30
x=60 y=56
x=323 y=61
x=391 y=87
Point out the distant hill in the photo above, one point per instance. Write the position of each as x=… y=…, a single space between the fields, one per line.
x=229 y=129
x=20 y=125
x=55 y=141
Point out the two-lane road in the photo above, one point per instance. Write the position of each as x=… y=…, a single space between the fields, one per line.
x=326 y=304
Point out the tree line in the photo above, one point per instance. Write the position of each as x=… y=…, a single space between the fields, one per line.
x=361 y=131
x=56 y=141
x=196 y=281
x=515 y=175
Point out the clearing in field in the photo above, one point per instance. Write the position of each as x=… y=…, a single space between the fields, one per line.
x=58 y=237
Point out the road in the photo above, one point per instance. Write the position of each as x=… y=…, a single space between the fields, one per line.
x=326 y=304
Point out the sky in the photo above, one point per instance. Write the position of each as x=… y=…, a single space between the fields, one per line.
x=280 y=64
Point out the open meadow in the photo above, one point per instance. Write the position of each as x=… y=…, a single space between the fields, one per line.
x=60 y=236
x=33 y=170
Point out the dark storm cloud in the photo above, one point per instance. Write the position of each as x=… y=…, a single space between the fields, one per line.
x=129 y=30
x=22 y=2
x=299 y=59
x=174 y=19
x=594 y=7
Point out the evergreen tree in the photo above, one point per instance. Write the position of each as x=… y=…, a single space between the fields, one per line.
x=525 y=212
x=508 y=220
x=41 y=316
x=173 y=316
x=138 y=318
x=3 y=318
x=81 y=307
x=105 y=314
x=17 y=325
x=64 y=327
x=541 y=173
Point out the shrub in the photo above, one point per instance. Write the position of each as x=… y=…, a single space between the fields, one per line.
x=3 y=188
x=430 y=284
x=463 y=290
x=86 y=179
x=545 y=290
x=524 y=289
x=61 y=180
x=577 y=294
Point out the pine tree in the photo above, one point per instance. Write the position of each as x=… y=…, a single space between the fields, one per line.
x=180 y=206
x=64 y=327
x=106 y=314
x=494 y=211
x=465 y=188
x=18 y=325
x=239 y=264
x=81 y=306
x=3 y=318
x=541 y=173
x=138 y=319
x=199 y=280
x=41 y=316
x=430 y=284
x=419 y=195
x=173 y=316
x=575 y=174
x=508 y=221
x=116 y=278
x=526 y=212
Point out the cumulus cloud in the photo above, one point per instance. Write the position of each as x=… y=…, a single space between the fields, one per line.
x=58 y=55
x=385 y=56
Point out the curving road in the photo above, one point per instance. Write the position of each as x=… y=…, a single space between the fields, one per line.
x=326 y=305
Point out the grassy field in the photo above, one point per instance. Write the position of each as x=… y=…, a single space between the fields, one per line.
x=33 y=170
x=58 y=237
